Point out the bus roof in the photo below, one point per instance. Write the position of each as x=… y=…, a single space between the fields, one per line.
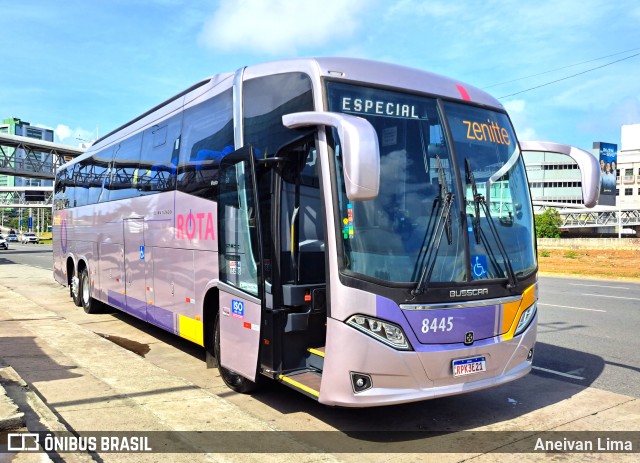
x=346 y=69
x=395 y=76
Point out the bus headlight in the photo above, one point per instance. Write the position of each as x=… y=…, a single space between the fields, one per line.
x=386 y=332
x=525 y=319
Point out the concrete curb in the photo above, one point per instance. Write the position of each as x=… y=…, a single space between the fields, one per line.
x=10 y=415
x=33 y=414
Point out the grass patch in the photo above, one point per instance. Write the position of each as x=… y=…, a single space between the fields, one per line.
x=544 y=253
x=571 y=255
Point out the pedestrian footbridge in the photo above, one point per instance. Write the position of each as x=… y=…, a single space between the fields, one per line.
x=599 y=216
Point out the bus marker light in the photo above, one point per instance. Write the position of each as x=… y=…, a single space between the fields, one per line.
x=251 y=326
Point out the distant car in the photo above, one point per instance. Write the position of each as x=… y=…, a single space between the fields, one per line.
x=3 y=243
x=12 y=237
x=30 y=238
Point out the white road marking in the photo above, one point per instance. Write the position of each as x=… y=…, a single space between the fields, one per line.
x=575 y=308
x=597 y=286
x=613 y=297
x=559 y=373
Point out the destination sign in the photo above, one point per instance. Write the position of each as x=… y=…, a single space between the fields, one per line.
x=379 y=107
x=367 y=101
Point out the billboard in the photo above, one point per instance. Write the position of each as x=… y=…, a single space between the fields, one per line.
x=608 y=156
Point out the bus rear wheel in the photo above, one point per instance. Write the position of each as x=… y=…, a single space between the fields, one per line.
x=89 y=304
x=76 y=290
x=232 y=379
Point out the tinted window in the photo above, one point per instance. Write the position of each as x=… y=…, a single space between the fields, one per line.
x=81 y=175
x=124 y=174
x=207 y=137
x=60 y=198
x=266 y=100
x=159 y=156
x=101 y=170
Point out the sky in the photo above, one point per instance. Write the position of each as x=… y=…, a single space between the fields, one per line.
x=83 y=68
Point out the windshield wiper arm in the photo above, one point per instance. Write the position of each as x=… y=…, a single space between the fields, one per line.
x=443 y=224
x=480 y=202
x=477 y=198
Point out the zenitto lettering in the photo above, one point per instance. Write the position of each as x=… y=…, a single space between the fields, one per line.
x=488 y=131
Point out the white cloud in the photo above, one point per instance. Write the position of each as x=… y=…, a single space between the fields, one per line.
x=514 y=106
x=279 y=26
x=519 y=117
x=63 y=132
x=67 y=135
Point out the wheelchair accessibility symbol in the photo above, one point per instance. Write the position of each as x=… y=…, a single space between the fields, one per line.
x=479 y=266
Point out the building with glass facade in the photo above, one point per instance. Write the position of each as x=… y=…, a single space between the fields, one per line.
x=628 y=168
x=15 y=126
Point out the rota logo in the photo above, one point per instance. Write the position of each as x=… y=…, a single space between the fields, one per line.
x=197 y=226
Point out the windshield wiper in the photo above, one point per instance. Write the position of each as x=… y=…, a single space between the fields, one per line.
x=443 y=224
x=480 y=202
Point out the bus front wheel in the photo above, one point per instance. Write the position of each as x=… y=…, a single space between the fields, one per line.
x=232 y=379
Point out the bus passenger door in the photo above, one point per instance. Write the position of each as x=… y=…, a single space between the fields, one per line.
x=134 y=268
x=241 y=284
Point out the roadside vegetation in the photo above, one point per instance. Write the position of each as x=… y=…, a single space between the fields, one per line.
x=591 y=263
x=548 y=224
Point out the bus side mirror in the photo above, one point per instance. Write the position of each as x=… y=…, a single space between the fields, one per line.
x=360 y=151
x=588 y=164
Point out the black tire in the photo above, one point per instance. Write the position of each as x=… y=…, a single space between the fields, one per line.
x=89 y=304
x=77 y=297
x=233 y=380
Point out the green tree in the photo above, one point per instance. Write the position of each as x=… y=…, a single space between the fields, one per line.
x=548 y=224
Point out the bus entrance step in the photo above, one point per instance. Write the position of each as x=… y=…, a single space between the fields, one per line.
x=305 y=381
x=315 y=358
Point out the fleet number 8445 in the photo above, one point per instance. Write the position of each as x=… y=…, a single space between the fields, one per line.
x=437 y=324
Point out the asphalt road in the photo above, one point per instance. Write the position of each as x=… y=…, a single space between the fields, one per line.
x=588 y=332
x=34 y=255
x=587 y=329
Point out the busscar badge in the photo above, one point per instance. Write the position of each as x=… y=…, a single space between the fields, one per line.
x=468 y=338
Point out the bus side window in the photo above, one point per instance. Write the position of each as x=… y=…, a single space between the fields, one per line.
x=207 y=137
x=124 y=174
x=158 y=163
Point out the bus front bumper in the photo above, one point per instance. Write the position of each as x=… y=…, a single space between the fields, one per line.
x=408 y=376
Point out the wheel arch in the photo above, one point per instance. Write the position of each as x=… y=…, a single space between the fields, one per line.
x=210 y=308
x=71 y=268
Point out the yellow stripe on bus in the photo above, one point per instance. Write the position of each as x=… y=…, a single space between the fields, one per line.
x=301 y=386
x=191 y=329
x=528 y=298
x=316 y=351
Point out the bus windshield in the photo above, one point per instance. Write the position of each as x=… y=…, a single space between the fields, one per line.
x=415 y=222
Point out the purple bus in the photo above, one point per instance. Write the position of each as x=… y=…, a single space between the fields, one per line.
x=361 y=232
